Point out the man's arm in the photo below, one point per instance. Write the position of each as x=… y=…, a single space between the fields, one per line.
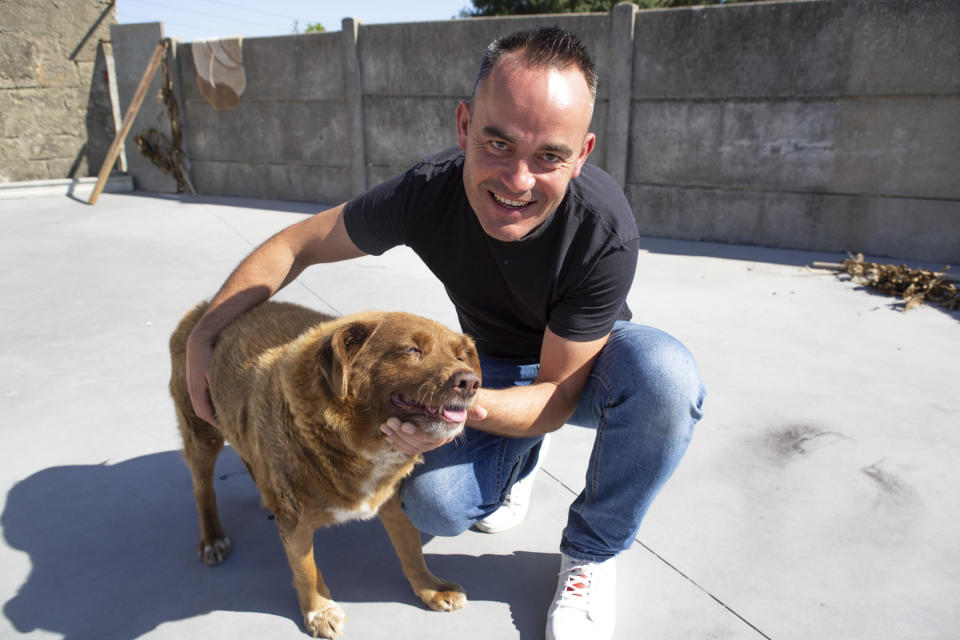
x=536 y=409
x=270 y=267
x=547 y=403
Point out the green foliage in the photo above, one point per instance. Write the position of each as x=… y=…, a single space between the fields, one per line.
x=312 y=27
x=527 y=7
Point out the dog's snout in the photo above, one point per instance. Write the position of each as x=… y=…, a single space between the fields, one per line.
x=466 y=383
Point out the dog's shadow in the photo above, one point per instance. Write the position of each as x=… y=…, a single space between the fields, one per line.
x=113 y=547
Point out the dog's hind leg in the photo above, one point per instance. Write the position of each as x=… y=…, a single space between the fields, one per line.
x=322 y=616
x=246 y=464
x=437 y=594
x=202 y=444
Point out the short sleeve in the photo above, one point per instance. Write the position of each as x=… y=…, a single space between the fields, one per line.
x=591 y=306
x=375 y=219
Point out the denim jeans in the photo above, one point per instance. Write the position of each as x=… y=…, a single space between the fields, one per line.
x=643 y=398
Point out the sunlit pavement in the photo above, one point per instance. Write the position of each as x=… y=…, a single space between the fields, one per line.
x=817 y=500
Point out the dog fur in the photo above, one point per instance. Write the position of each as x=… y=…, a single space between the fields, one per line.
x=300 y=396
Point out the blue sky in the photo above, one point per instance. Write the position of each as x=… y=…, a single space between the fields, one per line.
x=194 y=19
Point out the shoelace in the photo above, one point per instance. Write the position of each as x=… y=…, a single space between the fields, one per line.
x=576 y=587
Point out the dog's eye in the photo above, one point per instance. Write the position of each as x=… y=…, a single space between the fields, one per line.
x=414 y=351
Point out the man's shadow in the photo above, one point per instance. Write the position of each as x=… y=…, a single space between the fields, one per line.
x=114 y=547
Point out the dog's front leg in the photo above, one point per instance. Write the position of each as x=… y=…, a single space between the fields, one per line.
x=437 y=594
x=322 y=616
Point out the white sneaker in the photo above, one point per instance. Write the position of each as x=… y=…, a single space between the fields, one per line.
x=515 y=505
x=584 y=606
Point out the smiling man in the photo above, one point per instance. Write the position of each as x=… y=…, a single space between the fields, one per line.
x=525 y=134
x=537 y=250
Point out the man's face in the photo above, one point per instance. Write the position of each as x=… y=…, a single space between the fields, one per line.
x=525 y=137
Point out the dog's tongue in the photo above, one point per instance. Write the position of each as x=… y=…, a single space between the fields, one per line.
x=454 y=415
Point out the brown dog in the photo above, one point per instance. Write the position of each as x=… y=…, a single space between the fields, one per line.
x=301 y=396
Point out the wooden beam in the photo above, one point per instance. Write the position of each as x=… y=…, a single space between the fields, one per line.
x=114 y=94
x=132 y=111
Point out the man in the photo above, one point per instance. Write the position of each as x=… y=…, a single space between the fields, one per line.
x=537 y=251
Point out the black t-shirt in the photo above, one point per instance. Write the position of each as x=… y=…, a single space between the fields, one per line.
x=572 y=273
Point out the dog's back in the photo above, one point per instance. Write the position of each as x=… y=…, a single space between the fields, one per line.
x=241 y=345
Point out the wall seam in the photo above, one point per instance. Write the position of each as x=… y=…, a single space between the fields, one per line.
x=353 y=88
x=621 y=53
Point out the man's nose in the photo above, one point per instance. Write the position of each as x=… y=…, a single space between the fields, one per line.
x=517 y=177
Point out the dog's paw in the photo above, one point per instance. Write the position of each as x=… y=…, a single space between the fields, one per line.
x=446 y=597
x=326 y=622
x=215 y=551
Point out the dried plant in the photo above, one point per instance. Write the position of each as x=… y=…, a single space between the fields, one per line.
x=913 y=285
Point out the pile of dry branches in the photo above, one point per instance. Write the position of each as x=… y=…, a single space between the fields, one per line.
x=913 y=285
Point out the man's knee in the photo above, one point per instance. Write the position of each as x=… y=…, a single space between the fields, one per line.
x=433 y=504
x=657 y=366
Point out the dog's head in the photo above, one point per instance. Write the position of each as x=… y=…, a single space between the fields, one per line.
x=402 y=365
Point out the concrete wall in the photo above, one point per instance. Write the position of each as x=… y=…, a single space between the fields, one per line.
x=326 y=115
x=288 y=138
x=818 y=124
x=55 y=118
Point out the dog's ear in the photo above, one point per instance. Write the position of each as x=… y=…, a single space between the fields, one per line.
x=337 y=351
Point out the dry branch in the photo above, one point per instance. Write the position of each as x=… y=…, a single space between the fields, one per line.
x=913 y=285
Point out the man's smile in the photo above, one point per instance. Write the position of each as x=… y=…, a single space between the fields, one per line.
x=511 y=204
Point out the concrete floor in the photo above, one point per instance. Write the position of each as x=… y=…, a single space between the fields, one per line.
x=818 y=499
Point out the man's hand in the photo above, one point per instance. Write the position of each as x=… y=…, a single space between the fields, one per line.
x=199 y=355
x=407 y=438
x=476 y=414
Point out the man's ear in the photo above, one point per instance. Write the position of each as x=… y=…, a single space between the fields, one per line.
x=588 y=143
x=336 y=352
x=463 y=119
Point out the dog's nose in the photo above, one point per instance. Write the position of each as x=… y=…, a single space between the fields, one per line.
x=465 y=383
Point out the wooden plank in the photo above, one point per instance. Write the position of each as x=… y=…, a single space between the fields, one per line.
x=114 y=98
x=132 y=111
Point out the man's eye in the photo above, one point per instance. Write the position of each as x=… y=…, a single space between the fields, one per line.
x=499 y=145
x=552 y=158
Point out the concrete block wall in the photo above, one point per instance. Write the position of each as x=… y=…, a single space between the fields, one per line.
x=326 y=115
x=55 y=117
x=815 y=124
x=825 y=125
x=414 y=75
x=288 y=138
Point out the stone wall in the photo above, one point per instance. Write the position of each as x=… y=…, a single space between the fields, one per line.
x=55 y=115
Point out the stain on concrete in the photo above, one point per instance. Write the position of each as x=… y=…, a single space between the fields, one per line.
x=896 y=512
x=893 y=490
x=798 y=440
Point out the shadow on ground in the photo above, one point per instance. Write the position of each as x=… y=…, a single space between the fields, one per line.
x=771 y=255
x=286 y=206
x=113 y=547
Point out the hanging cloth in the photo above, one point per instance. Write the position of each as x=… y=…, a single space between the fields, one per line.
x=220 y=75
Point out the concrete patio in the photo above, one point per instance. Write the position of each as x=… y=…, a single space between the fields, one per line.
x=818 y=498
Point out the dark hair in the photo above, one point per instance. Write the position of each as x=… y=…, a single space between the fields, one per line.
x=544 y=47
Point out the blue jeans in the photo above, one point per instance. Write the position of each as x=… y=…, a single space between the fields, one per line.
x=643 y=398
